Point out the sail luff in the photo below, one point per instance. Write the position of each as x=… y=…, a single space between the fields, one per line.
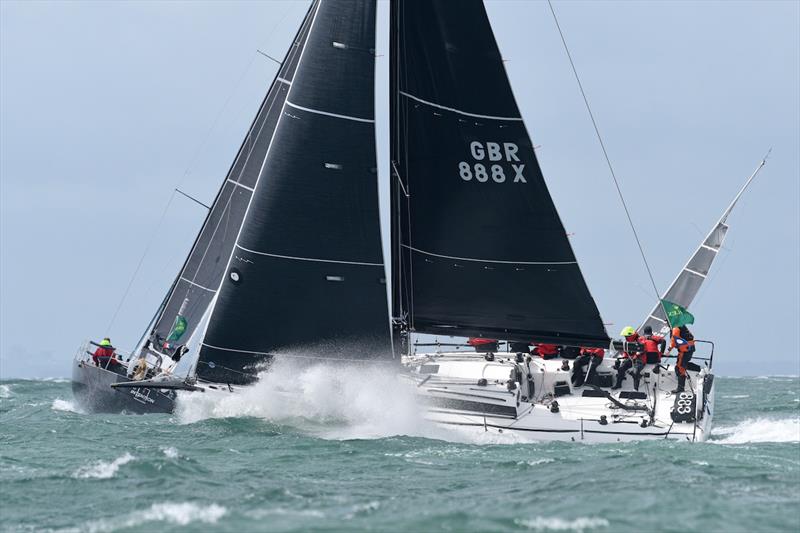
x=690 y=278
x=200 y=270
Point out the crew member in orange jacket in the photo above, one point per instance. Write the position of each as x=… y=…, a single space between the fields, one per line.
x=631 y=359
x=589 y=356
x=683 y=340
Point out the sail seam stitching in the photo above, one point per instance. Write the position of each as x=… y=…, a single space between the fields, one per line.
x=328 y=114
x=190 y=282
x=243 y=186
x=491 y=260
x=696 y=273
x=454 y=110
x=291 y=355
x=308 y=258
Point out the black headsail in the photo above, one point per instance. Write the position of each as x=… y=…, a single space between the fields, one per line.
x=479 y=249
x=196 y=284
x=306 y=276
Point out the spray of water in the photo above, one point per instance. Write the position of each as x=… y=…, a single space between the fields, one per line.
x=332 y=399
x=329 y=399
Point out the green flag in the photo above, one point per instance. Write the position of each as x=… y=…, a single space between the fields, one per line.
x=177 y=329
x=677 y=316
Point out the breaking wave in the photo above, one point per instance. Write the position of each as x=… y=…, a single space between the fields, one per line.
x=759 y=430
x=65 y=405
x=181 y=514
x=103 y=469
x=559 y=524
x=5 y=391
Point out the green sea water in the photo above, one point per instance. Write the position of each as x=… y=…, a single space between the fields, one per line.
x=340 y=455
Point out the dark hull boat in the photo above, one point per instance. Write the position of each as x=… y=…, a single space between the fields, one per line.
x=92 y=386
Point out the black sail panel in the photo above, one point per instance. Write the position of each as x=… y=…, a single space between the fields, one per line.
x=479 y=247
x=306 y=277
x=199 y=279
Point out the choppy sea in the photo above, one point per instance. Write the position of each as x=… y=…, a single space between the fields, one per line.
x=347 y=453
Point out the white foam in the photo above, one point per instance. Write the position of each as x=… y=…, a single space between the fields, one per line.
x=5 y=391
x=181 y=514
x=736 y=396
x=336 y=401
x=65 y=405
x=759 y=430
x=583 y=523
x=171 y=452
x=536 y=462
x=102 y=469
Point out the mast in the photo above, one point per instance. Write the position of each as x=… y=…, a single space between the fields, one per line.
x=479 y=248
x=687 y=283
x=305 y=278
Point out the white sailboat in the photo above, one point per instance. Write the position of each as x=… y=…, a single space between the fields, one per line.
x=536 y=399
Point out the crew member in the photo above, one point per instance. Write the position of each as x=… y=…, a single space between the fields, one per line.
x=589 y=356
x=482 y=345
x=630 y=359
x=545 y=351
x=683 y=340
x=654 y=347
x=104 y=354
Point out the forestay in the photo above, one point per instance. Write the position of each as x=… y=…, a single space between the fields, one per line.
x=479 y=249
x=306 y=275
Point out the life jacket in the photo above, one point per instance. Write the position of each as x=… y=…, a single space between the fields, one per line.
x=596 y=352
x=547 y=349
x=635 y=355
x=684 y=343
x=650 y=342
x=102 y=351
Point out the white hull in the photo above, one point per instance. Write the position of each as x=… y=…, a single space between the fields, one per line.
x=449 y=385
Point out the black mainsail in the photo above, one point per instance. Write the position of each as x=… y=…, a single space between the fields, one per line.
x=479 y=249
x=193 y=290
x=306 y=274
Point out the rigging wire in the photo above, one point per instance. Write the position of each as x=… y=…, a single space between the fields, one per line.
x=183 y=177
x=605 y=153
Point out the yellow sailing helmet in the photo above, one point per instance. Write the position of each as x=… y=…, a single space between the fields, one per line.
x=627 y=331
x=105 y=342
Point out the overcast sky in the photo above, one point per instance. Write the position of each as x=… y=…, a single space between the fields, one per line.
x=105 y=107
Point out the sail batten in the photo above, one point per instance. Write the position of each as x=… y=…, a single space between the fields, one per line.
x=478 y=246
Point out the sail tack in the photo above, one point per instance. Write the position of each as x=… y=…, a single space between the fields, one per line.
x=306 y=274
x=479 y=249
